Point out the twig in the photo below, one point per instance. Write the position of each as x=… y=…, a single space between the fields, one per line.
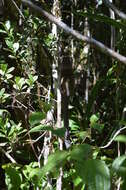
x=75 y=33
x=36 y=140
x=21 y=104
x=116 y=134
x=18 y=9
x=8 y=155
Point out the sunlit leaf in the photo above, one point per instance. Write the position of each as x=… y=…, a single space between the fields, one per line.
x=9 y=43
x=94 y=118
x=3 y=31
x=8 y=25
x=10 y=69
x=121 y=138
x=2 y=92
x=16 y=46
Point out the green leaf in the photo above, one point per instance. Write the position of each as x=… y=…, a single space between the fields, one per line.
x=7 y=25
x=99 y=127
x=10 y=70
x=2 y=111
x=58 y=132
x=95 y=174
x=73 y=125
x=39 y=128
x=36 y=117
x=35 y=78
x=13 y=177
x=93 y=119
x=16 y=46
x=3 y=67
x=77 y=181
x=95 y=124
x=3 y=31
x=119 y=165
x=81 y=152
x=2 y=92
x=9 y=76
x=83 y=135
x=55 y=161
x=9 y=43
x=121 y=138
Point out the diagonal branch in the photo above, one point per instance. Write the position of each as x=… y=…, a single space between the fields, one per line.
x=18 y=9
x=119 y=13
x=75 y=33
x=8 y=155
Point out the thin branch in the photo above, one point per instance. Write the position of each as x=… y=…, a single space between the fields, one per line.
x=18 y=9
x=119 y=13
x=116 y=134
x=36 y=140
x=8 y=155
x=75 y=33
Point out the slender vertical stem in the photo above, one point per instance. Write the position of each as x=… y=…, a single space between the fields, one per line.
x=86 y=53
x=57 y=81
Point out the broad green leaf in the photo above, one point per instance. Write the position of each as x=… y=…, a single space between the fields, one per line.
x=36 y=117
x=81 y=152
x=83 y=135
x=55 y=161
x=39 y=128
x=95 y=174
x=13 y=177
x=9 y=43
x=99 y=127
x=58 y=132
x=77 y=181
x=94 y=118
x=121 y=138
x=119 y=165
x=3 y=67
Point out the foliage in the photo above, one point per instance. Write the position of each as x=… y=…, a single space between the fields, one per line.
x=29 y=131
